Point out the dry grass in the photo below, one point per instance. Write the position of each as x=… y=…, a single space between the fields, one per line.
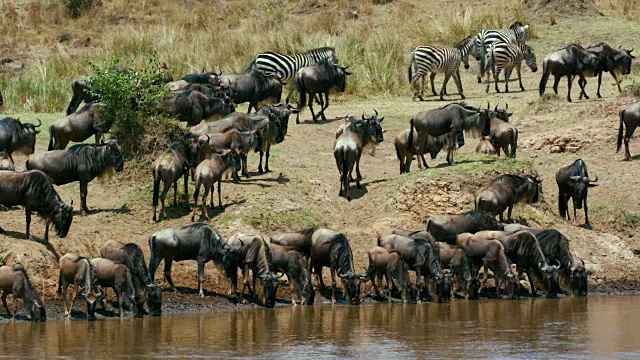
x=628 y=9
x=190 y=36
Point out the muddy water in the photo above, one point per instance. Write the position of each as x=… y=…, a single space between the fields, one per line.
x=601 y=327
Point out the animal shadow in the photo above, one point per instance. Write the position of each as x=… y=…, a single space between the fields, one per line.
x=321 y=121
x=359 y=193
x=124 y=209
x=215 y=211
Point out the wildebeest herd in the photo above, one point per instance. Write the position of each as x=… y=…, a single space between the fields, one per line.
x=446 y=257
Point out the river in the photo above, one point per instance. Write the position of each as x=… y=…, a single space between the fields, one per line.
x=597 y=326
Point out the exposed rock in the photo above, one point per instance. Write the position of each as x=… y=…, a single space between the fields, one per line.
x=82 y=41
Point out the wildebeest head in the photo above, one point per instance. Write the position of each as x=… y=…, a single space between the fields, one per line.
x=114 y=154
x=622 y=61
x=552 y=274
x=578 y=279
x=351 y=282
x=153 y=294
x=443 y=287
x=502 y=114
x=269 y=284
x=280 y=112
x=531 y=189
x=33 y=303
x=231 y=159
x=62 y=220
x=91 y=300
x=512 y=282
x=194 y=149
x=340 y=81
x=26 y=136
x=580 y=184
x=371 y=128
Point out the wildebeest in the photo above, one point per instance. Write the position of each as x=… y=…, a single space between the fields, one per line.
x=489 y=254
x=522 y=249
x=131 y=255
x=629 y=119
x=253 y=87
x=251 y=252
x=455 y=259
x=209 y=172
x=485 y=146
x=5 y=162
x=319 y=78
x=503 y=192
x=18 y=137
x=79 y=126
x=296 y=266
x=34 y=190
x=389 y=264
x=432 y=146
x=572 y=275
x=15 y=281
x=574 y=183
x=348 y=147
x=115 y=276
x=299 y=240
x=451 y=120
x=194 y=106
x=570 y=61
x=169 y=167
x=243 y=141
x=81 y=91
x=77 y=271
x=613 y=61
x=197 y=242
x=444 y=228
x=82 y=163
x=332 y=250
x=420 y=254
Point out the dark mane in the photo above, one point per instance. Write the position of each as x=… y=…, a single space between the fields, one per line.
x=341 y=257
x=40 y=186
x=136 y=263
x=324 y=48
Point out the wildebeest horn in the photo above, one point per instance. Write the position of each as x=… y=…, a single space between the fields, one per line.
x=488 y=106
x=363 y=115
x=39 y=123
x=506 y=106
x=582 y=262
x=559 y=264
x=376 y=111
x=342 y=275
x=208 y=138
x=495 y=108
x=160 y=284
x=283 y=274
x=596 y=180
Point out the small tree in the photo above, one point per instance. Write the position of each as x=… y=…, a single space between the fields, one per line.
x=131 y=95
x=75 y=8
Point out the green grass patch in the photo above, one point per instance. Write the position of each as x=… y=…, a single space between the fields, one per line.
x=631 y=220
x=284 y=220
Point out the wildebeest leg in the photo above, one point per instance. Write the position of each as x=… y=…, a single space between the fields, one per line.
x=67 y=313
x=586 y=212
x=205 y=212
x=556 y=81
x=358 y=174
x=569 y=80
x=509 y=210
x=627 y=136
x=83 y=198
x=167 y=273
x=4 y=302
x=534 y=292
x=575 y=216
x=451 y=148
x=266 y=161
x=73 y=300
x=310 y=104
x=260 y=164
x=500 y=217
x=432 y=77
x=186 y=187
x=201 y=262
x=245 y=172
x=28 y=215
x=418 y=286
x=582 y=82
x=333 y=286
x=120 y=295
x=600 y=81
x=613 y=73
x=389 y=286
x=163 y=197
x=325 y=105
x=175 y=192
x=220 y=196
x=153 y=266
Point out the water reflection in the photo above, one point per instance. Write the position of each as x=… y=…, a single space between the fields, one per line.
x=530 y=328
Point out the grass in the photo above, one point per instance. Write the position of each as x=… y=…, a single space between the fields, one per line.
x=283 y=220
x=631 y=220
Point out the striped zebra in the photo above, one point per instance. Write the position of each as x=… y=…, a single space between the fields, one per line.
x=507 y=56
x=516 y=33
x=284 y=67
x=436 y=59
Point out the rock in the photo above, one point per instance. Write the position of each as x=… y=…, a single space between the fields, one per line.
x=82 y=41
x=555 y=149
x=11 y=65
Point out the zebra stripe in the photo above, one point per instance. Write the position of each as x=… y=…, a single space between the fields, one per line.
x=515 y=33
x=436 y=59
x=507 y=56
x=285 y=67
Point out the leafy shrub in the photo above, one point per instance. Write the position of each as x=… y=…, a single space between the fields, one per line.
x=130 y=95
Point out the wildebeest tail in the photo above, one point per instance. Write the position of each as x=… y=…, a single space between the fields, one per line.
x=545 y=77
x=397 y=151
x=152 y=247
x=51 y=135
x=344 y=155
x=563 y=206
x=514 y=144
x=156 y=185
x=410 y=138
x=620 y=130
x=302 y=93
x=59 y=283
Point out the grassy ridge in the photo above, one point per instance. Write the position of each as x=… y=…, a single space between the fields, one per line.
x=374 y=39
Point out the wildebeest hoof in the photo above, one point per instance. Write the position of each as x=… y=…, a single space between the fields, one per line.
x=202 y=295
x=358 y=186
x=260 y=170
x=221 y=208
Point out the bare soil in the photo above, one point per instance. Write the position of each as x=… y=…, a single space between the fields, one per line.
x=302 y=189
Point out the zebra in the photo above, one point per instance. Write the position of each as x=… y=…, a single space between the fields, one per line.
x=506 y=55
x=516 y=33
x=284 y=67
x=438 y=59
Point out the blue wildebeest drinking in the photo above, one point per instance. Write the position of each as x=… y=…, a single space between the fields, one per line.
x=115 y=276
x=34 y=190
x=15 y=281
x=296 y=266
x=77 y=271
x=80 y=163
x=389 y=263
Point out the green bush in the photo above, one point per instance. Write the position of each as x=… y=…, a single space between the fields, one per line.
x=129 y=94
x=75 y=8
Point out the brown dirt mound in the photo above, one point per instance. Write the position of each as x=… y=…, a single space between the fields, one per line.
x=563 y=8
